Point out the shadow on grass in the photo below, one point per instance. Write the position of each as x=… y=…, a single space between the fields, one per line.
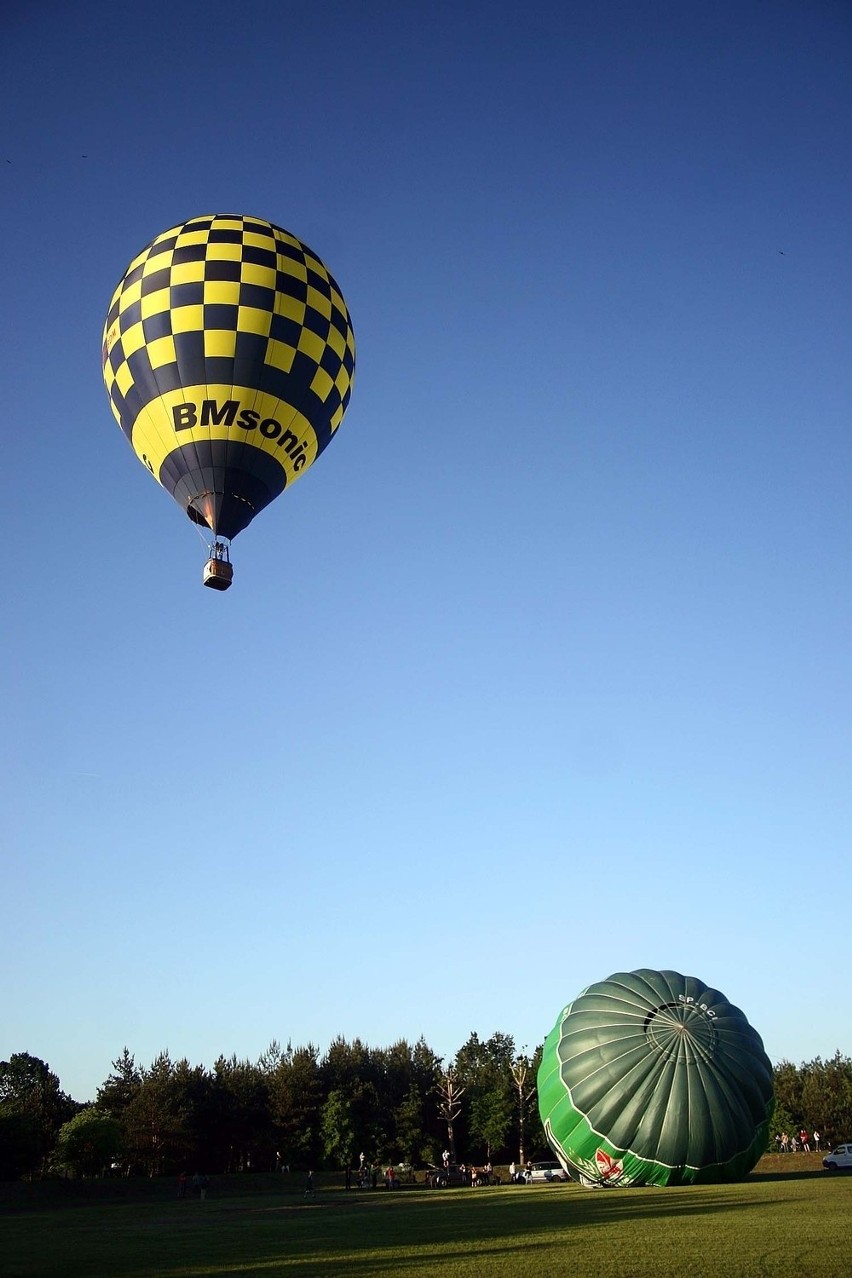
x=352 y=1266
x=443 y=1232
x=452 y=1232
x=508 y=1218
x=804 y=1174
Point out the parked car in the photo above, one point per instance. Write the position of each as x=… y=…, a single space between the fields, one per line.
x=441 y=1177
x=547 y=1171
x=840 y=1159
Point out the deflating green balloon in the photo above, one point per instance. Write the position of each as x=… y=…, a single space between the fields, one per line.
x=653 y=1078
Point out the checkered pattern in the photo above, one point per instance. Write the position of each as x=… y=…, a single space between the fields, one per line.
x=236 y=301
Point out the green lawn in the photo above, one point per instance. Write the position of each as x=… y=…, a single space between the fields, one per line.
x=793 y=1222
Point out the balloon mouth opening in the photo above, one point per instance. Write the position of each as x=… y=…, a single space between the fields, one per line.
x=198 y=518
x=224 y=514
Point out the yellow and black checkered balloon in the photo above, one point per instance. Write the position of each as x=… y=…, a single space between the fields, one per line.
x=228 y=357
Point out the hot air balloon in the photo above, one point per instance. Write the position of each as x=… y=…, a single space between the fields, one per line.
x=228 y=357
x=653 y=1078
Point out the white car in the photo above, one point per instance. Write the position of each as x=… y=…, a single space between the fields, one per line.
x=547 y=1171
x=840 y=1159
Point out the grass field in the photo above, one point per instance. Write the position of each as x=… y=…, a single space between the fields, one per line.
x=788 y=1218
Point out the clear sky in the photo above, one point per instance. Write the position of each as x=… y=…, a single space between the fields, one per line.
x=543 y=671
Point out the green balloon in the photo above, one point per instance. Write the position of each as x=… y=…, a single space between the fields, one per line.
x=653 y=1078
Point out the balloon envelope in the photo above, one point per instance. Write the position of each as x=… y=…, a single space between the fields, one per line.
x=655 y=1078
x=228 y=356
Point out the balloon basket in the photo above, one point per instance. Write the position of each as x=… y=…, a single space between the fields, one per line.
x=218 y=574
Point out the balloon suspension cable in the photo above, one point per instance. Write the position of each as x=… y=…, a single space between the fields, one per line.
x=218 y=571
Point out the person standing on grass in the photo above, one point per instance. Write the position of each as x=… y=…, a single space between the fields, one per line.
x=309 y=1185
x=816 y=1141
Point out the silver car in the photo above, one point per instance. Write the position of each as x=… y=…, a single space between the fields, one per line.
x=547 y=1171
x=840 y=1159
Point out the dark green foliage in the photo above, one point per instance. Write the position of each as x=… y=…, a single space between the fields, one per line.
x=296 y=1096
x=89 y=1144
x=32 y=1109
x=815 y=1095
x=787 y=1084
x=500 y=1119
x=781 y=1122
x=158 y=1120
x=338 y=1130
x=232 y=1118
x=295 y=1108
x=484 y=1069
x=410 y=1127
x=21 y=1144
x=118 y=1091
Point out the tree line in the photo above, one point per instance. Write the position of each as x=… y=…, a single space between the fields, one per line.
x=291 y=1108
x=814 y=1096
x=294 y=1107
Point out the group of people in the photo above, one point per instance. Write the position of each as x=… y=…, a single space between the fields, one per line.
x=786 y=1144
x=199 y=1185
x=482 y=1175
x=366 y=1176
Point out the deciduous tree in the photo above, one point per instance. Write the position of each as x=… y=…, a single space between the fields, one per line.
x=338 y=1129
x=34 y=1107
x=88 y=1144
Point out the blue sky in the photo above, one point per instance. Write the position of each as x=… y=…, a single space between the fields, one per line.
x=543 y=671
